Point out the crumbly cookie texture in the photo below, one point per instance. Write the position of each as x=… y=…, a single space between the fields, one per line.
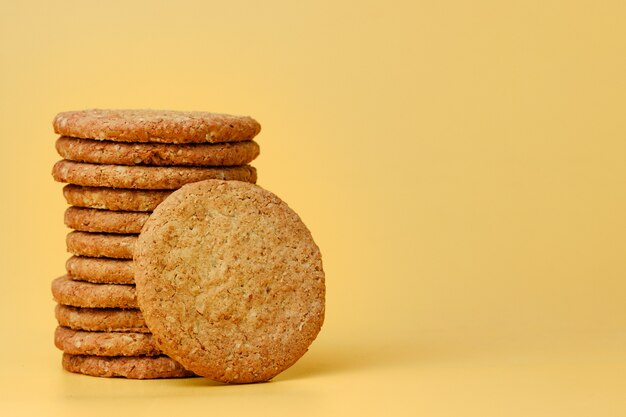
x=85 y=294
x=230 y=281
x=160 y=154
x=101 y=245
x=133 y=367
x=100 y=319
x=114 y=198
x=80 y=342
x=107 y=221
x=101 y=270
x=164 y=126
x=145 y=177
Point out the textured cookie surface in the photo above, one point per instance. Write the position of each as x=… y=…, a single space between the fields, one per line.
x=134 y=367
x=164 y=126
x=145 y=177
x=160 y=154
x=101 y=270
x=101 y=244
x=86 y=294
x=114 y=198
x=108 y=221
x=101 y=319
x=80 y=342
x=230 y=281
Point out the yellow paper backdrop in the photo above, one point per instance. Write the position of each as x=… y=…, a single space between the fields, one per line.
x=461 y=164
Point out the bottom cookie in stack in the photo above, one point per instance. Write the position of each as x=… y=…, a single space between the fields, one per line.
x=102 y=332
x=132 y=367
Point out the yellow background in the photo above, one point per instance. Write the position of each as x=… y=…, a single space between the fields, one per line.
x=461 y=164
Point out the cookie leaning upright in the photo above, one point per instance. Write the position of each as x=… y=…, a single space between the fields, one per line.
x=230 y=281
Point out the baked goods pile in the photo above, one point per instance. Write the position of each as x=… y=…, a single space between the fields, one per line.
x=180 y=265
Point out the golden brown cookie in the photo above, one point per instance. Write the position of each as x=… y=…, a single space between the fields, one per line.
x=101 y=245
x=101 y=319
x=133 y=367
x=164 y=126
x=101 y=270
x=79 y=342
x=114 y=198
x=160 y=154
x=108 y=221
x=145 y=177
x=229 y=281
x=85 y=294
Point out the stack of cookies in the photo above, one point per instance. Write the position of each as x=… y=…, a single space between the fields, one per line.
x=119 y=166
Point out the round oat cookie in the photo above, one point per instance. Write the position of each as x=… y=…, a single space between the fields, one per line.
x=133 y=367
x=107 y=245
x=100 y=319
x=145 y=177
x=119 y=199
x=100 y=270
x=165 y=126
x=160 y=154
x=80 y=342
x=108 y=221
x=229 y=281
x=85 y=294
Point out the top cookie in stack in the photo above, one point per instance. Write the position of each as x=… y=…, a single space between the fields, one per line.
x=119 y=165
